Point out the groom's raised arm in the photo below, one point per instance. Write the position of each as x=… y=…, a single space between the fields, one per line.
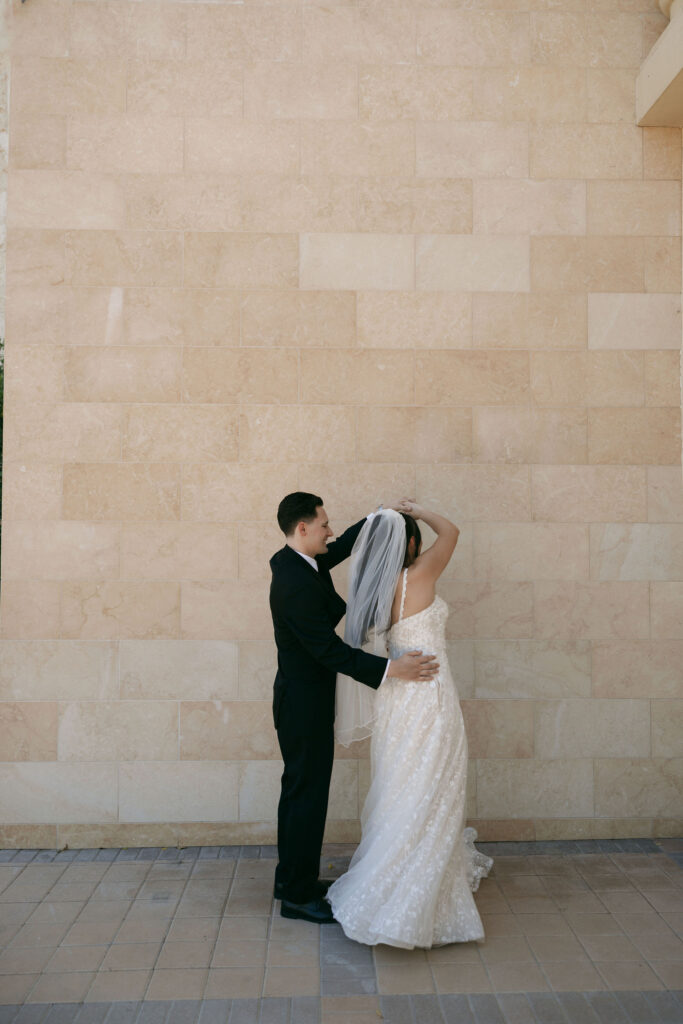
x=339 y=549
x=304 y=619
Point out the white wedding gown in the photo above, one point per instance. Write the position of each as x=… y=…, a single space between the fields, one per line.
x=410 y=882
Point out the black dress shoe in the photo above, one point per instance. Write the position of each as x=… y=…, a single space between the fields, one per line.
x=318 y=911
x=321 y=887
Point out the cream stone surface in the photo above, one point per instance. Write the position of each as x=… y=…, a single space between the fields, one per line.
x=366 y=250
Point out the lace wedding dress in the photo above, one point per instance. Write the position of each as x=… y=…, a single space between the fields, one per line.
x=410 y=882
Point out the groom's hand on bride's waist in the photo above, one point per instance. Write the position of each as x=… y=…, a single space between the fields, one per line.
x=413 y=665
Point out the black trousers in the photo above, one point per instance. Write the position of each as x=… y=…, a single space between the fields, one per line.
x=308 y=752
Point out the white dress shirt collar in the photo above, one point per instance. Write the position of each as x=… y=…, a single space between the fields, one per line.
x=311 y=561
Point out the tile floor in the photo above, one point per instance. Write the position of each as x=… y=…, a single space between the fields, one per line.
x=585 y=932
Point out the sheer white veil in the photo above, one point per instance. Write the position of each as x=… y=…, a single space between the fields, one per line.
x=376 y=561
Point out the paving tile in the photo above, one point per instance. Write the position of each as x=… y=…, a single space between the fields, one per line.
x=556 y=947
x=180 y=983
x=426 y=1009
x=62 y=1013
x=516 y=1008
x=670 y=973
x=666 y=1005
x=29 y=1013
x=234 y=983
x=153 y=1012
x=15 y=988
x=451 y=978
x=606 y=1007
x=214 y=1011
x=517 y=977
x=244 y=1011
x=131 y=956
x=123 y=1012
x=404 y=979
x=109 y=986
x=638 y=1008
x=457 y=1008
x=76 y=958
x=630 y=975
x=183 y=1011
x=249 y=953
x=577 y=1009
x=274 y=1011
x=292 y=981
x=506 y=949
x=546 y=1007
x=573 y=976
x=184 y=954
x=305 y=1010
x=486 y=1009
x=61 y=988
x=396 y=1009
x=94 y=1013
x=348 y=980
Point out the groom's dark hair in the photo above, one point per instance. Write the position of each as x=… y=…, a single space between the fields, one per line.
x=297 y=507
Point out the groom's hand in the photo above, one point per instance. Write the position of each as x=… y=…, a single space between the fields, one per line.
x=414 y=665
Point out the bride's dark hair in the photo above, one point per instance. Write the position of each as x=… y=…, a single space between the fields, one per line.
x=412 y=530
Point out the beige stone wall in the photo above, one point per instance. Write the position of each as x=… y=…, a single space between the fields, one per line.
x=365 y=249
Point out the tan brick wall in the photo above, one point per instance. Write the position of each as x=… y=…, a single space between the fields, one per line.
x=365 y=249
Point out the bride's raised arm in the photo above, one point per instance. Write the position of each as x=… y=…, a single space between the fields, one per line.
x=434 y=560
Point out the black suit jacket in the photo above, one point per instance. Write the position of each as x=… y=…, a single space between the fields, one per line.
x=305 y=609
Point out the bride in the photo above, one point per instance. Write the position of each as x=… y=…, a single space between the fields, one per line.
x=410 y=882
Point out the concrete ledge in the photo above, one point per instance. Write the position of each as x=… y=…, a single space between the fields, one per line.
x=659 y=86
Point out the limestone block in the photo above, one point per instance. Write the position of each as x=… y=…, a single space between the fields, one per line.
x=173 y=551
x=550 y=320
x=461 y=663
x=154 y=31
x=507 y=207
x=125 y=144
x=585 y=494
x=638 y=668
x=43 y=31
x=233 y=731
x=29 y=610
x=611 y=97
x=64 y=199
x=343 y=805
x=527 y=787
x=489 y=610
x=365 y=34
x=664 y=494
x=591 y=611
x=61 y=433
x=414 y=205
x=220 y=259
x=139 y=730
x=371 y=376
x=38 y=143
x=662 y=378
x=530 y=668
x=258 y=542
x=414 y=319
x=634 y=322
x=666 y=601
x=662 y=153
x=397 y=91
x=28 y=730
x=594 y=40
x=230 y=146
x=351 y=490
x=54 y=670
x=643 y=787
x=592 y=728
x=407 y=434
x=107 y=611
x=123 y=491
x=298 y=203
x=385 y=149
x=178 y=669
x=224 y=375
x=461 y=563
x=485 y=493
x=48 y=791
x=124 y=257
x=324 y=89
x=31 y=492
x=218 y=493
x=259 y=791
x=601 y=378
x=662 y=265
x=257 y=669
x=498 y=728
x=472 y=38
x=35 y=373
x=471 y=378
x=215 y=610
x=473 y=149
x=74 y=86
x=171 y=87
x=472 y=263
x=299 y=319
x=342 y=261
x=60 y=551
x=122 y=374
x=594 y=263
x=667 y=728
x=647 y=436
x=606 y=151
x=634 y=208
x=530 y=551
x=184 y=791
x=636 y=552
x=234 y=33
x=207 y=202
x=533 y=93
x=289 y=430
x=180 y=433
x=36 y=315
x=518 y=434
x=35 y=258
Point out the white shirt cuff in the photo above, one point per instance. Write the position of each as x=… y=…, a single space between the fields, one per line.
x=386 y=672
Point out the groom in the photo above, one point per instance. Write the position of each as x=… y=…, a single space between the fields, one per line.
x=305 y=609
